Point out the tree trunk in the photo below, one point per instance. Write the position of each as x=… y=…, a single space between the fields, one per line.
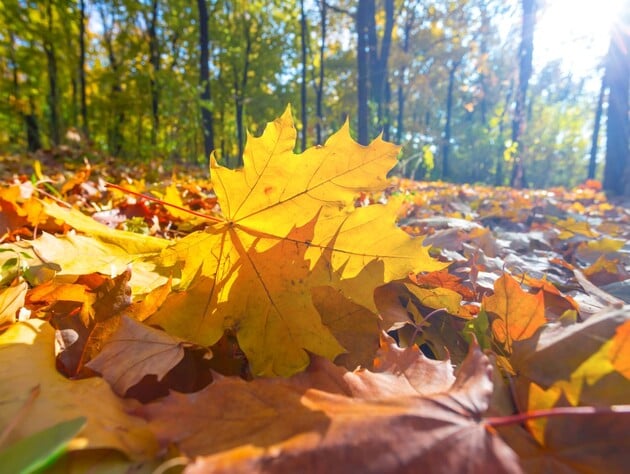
x=115 y=138
x=380 y=60
x=400 y=126
x=240 y=85
x=592 y=164
x=154 y=50
x=362 y=23
x=617 y=165
x=204 y=81
x=304 y=112
x=53 y=93
x=526 y=50
x=498 y=176
x=319 y=90
x=446 y=143
x=82 y=86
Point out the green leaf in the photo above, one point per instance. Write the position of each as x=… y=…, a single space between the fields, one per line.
x=38 y=451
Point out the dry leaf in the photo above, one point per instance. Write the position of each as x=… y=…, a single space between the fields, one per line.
x=274 y=425
x=27 y=358
x=133 y=351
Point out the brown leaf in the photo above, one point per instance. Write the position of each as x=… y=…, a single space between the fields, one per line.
x=354 y=326
x=83 y=340
x=277 y=425
x=136 y=350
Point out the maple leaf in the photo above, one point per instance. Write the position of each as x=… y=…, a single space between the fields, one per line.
x=288 y=225
x=518 y=314
x=26 y=359
x=331 y=420
x=133 y=351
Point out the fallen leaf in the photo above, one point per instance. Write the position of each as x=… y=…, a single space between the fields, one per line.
x=289 y=225
x=354 y=326
x=11 y=300
x=27 y=358
x=440 y=298
x=272 y=425
x=134 y=351
x=517 y=314
x=620 y=349
x=109 y=256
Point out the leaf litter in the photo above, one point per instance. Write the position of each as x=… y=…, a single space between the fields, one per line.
x=251 y=331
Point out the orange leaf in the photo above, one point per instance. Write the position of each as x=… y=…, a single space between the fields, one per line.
x=620 y=350
x=517 y=314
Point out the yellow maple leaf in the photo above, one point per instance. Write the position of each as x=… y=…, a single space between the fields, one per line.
x=289 y=225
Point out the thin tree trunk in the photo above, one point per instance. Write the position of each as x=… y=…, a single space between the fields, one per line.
x=446 y=144
x=154 y=49
x=498 y=177
x=519 y=123
x=379 y=74
x=82 y=86
x=362 y=17
x=303 y=98
x=115 y=139
x=53 y=93
x=400 y=124
x=319 y=90
x=592 y=164
x=204 y=81
x=240 y=85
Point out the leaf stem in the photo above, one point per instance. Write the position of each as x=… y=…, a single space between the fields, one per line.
x=164 y=203
x=558 y=411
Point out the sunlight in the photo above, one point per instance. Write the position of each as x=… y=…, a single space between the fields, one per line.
x=575 y=31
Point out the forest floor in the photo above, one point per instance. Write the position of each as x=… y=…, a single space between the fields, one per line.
x=538 y=279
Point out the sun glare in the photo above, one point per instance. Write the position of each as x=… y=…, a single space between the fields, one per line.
x=575 y=31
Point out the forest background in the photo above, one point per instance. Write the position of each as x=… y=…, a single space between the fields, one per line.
x=450 y=80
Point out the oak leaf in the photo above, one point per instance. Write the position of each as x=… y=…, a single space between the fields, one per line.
x=288 y=225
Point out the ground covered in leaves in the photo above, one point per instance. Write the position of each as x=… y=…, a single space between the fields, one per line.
x=308 y=314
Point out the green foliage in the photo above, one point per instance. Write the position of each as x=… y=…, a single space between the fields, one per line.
x=255 y=70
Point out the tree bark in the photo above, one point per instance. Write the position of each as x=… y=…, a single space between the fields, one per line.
x=498 y=176
x=240 y=85
x=319 y=89
x=53 y=92
x=617 y=167
x=592 y=164
x=154 y=52
x=115 y=138
x=446 y=143
x=400 y=125
x=204 y=81
x=82 y=86
x=526 y=50
x=379 y=74
x=362 y=24
x=303 y=98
